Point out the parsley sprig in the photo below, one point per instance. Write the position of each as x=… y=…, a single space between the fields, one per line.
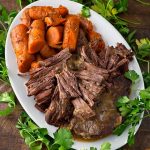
x=131 y=111
x=9 y=99
x=36 y=138
x=132 y=75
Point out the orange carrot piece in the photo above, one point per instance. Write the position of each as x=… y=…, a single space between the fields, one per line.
x=62 y=10
x=40 y=12
x=19 y=38
x=54 y=20
x=71 y=31
x=25 y=18
x=47 y=52
x=54 y=36
x=36 y=36
x=34 y=65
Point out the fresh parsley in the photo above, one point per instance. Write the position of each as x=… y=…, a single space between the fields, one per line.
x=66 y=142
x=5 y=20
x=3 y=71
x=132 y=75
x=131 y=111
x=36 y=138
x=143 y=47
x=85 y=11
x=105 y=146
x=9 y=99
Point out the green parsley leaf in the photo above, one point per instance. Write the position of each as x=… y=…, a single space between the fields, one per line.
x=145 y=94
x=122 y=5
x=121 y=103
x=85 y=11
x=143 y=47
x=19 y=2
x=132 y=75
x=131 y=37
x=9 y=99
x=131 y=135
x=66 y=142
x=3 y=71
x=105 y=146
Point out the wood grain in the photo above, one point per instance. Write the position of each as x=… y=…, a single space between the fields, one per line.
x=9 y=136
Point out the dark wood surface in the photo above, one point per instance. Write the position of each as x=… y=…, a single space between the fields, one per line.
x=9 y=136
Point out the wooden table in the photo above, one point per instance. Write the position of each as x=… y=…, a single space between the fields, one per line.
x=9 y=136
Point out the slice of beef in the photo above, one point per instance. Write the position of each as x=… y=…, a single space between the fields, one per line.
x=96 y=70
x=34 y=82
x=40 y=86
x=62 y=93
x=46 y=70
x=85 y=55
x=113 y=60
x=121 y=86
x=90 y=76
x=123 y=51
x=87 y=95
x=44 y=96
x=61 y=56
x=119 y=64
x=94 y=87
x=53 y=107
x=71 y=80
x=42 y=107
x=81 y=109
x=59 y=111
x=67 y=87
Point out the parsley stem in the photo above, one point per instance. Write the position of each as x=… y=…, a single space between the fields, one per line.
x=144 y=3
x=148 y=63
x=3 y=25
x=106 y=8
x=146 y=116
x=129 y=21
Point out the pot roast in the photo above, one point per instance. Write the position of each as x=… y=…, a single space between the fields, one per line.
x=79 y=90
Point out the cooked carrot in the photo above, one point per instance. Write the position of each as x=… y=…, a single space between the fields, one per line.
x=86 y=24
x=62 y=10
x=19 y=39
x=54 y=36
x=71 y=31
x=40 y=12
x=25 y=18
x=34 y=65
x=54 y=20
x=36 y=36
x=96 y=36
x=47 y=52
